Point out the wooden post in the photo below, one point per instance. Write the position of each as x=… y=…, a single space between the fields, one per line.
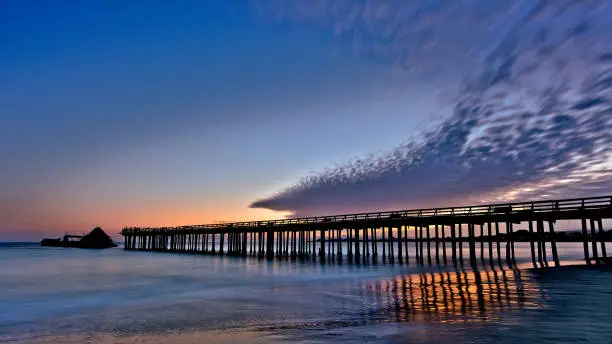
x=594 y=241
x=298 y=235
x=482 y=243
x=282 y=243
x=243 y=242
x=250 y=235
x=417 y=247
x=460 y=234
x=400 y=259
x=277 y=243
x=384 y=246
x=305 y=245
x=391 y=244
x=406 y=244
x=585 y=244
x=340 y=244
x=333 y=243
x=374 y=243
x=322 y=248
x=454 y=245
x=490 y=235
x=366 y=243
x=298 y=244
x=444 y=244
x=270 y=245
x=328 y=243
x=508 y=238
x=314 y=245
x=285 y=244
x=293 y=245
x=542 y=241
x=531 y=244
x=237 y=245
x=498 y=240
x=428 y=246
x=260 y=245
x=553 y=242
x=422 y=261
x=472 y=243
x=602 y=238
x=437 y=234
x=357 y=255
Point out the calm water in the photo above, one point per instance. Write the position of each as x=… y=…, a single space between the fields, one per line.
x=54 y=295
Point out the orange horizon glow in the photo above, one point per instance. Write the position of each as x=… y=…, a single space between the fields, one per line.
x=113 y=220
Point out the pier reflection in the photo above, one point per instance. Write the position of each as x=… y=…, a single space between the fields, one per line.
x=455 y=296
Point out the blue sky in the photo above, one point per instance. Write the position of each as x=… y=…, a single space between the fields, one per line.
x=163 y=112
x=148 y=103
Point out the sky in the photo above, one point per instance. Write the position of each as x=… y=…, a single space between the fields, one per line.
x=158 y=113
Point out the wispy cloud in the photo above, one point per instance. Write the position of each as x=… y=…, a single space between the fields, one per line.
x=533 y=121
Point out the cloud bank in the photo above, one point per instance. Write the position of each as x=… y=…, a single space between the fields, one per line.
x=534 y=120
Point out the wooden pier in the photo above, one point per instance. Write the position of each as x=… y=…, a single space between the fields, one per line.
x=451 y=235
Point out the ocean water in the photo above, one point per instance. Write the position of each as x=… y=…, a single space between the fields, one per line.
x=55 y=295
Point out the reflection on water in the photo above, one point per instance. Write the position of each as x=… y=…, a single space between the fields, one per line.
x=455 y=296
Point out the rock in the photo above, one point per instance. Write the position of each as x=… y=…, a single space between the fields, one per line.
x=97 y=238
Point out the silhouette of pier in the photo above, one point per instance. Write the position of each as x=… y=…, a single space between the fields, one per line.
x=451 y=235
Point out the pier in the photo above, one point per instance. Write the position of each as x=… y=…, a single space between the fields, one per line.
x=450 y=235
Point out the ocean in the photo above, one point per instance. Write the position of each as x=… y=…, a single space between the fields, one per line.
x=56 y=295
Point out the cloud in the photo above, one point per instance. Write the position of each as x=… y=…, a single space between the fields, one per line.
x=534 y=121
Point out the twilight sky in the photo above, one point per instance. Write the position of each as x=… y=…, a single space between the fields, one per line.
x=183 y=112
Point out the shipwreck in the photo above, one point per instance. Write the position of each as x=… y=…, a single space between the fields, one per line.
x=97 y=238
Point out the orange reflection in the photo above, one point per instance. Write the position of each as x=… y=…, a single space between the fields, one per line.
x=455 y=296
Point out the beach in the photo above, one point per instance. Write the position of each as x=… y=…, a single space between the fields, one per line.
x=63 y=295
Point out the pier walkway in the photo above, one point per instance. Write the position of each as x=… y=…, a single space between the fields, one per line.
x=432 y=235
